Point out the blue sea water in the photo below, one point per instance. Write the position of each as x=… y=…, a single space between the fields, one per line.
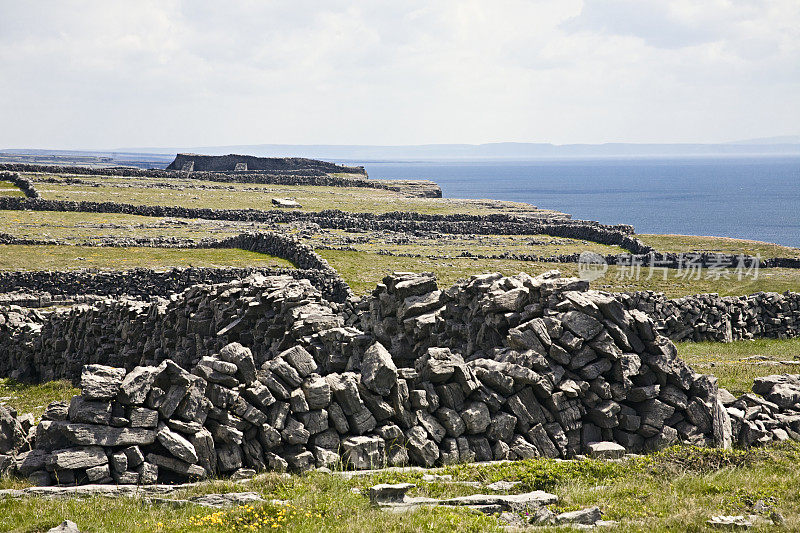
x=751 y=198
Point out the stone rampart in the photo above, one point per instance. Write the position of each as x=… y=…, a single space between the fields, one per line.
x=233 y=162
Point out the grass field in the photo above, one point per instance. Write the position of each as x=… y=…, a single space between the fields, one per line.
x=362 y=270
x=454 y=245
x=144 y=191
x=18 y=257
x=690 y=243
x=76 y=227
x=9 y=189
x=674 y=490
x=729 y=362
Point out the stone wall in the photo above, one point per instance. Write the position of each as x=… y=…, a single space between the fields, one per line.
x=263 y=373
x=144 y=283
x=421 y=188
x=277 y=165
x=24 y=184
x=709 y=317
x=549 y=368
x=50 y=287
x=620 y=235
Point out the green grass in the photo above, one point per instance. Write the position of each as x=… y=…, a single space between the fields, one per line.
x=9 y=189
x=34 y=398
x=75 y=227
x=259 y=196
x=674 y=490
x=362 y=270
x=454 y=245
x=725 y=360
x=690 y=243
x=18 y=257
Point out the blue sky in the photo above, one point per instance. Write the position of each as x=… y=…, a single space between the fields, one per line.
x=106 y=74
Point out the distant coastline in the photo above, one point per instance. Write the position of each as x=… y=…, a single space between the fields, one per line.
x=752 y=198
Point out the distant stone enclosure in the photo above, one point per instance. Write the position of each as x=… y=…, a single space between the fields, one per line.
x=242 y=163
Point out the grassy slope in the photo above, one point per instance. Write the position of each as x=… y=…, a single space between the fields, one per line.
x=17 y=257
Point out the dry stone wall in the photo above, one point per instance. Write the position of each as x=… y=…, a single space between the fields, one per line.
x=492 y=368
x=24 y=184
x=419 y=188
x=46 y=287
x=619 y=235
x=709 y=317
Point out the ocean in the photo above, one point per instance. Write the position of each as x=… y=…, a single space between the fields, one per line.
x=754 y=198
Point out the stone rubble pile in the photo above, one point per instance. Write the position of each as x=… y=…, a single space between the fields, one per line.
x=558 y=366
x=709 y=317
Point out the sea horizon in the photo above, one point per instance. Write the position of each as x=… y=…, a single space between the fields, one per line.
x=746 y=197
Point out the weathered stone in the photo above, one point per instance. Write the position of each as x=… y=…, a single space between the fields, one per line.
x=176 y=444
x=75 y=458
x=317 y=392
x=300 y=359
x=421 y=450
x=229 y=458
x=258 y=395
x=175 y=465
x=581 y=324
x=539 y=437
x=476 y=417
x=431 y=425
x=389 y=493
x=67 y=526
x=378 y=371
x=100 y=382
x=451 y=421
x=119 y=462
x=243 y=359
x=95 y=435
x=605 y=450
x=136 y=385
x=142 y=417
x=364 y=452
x=56 y=411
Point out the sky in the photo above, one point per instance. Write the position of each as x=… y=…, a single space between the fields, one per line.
x=106 y=74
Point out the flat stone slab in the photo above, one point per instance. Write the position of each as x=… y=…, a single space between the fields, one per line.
x=229 y=499
x=92 y=490
x=508 y=502
x=389 y=493
x=605 y=450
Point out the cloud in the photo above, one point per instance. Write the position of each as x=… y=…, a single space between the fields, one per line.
x=81 y=73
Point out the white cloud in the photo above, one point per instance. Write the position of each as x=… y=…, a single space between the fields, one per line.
x=82 y=74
